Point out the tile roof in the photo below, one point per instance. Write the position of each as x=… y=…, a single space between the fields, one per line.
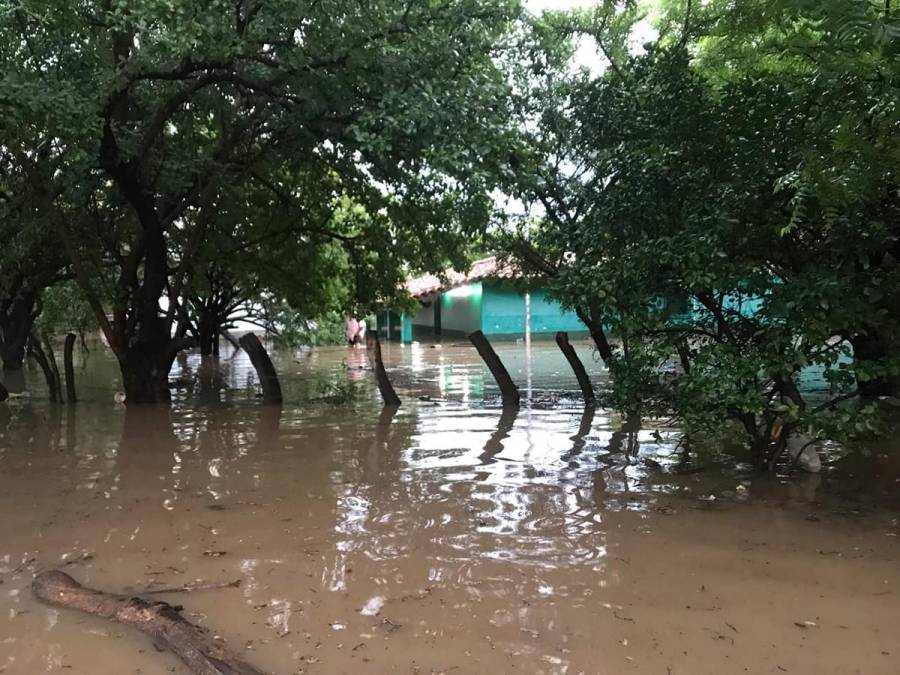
x=428 y=285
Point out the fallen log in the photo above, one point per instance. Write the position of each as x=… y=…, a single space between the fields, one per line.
x=268 y=377
x=200 y=652
x=562 y=340
x=508 y=391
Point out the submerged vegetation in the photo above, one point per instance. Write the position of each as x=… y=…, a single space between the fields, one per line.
x=718 y=192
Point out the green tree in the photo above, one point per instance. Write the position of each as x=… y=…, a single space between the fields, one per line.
x=163 y=110
x=712 y=170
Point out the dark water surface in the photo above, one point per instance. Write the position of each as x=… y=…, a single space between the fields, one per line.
x=448 y=537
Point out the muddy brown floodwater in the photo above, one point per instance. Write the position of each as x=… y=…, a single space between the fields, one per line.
x=446 y=538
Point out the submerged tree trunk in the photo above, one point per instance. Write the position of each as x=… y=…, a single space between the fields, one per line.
x=50 y=375
x=388 y=395
x=145 y=377
x=16 y=321
x=201 y=652
x=69 y=367
x=208 y=330
x=508 y=390
x=54 y=368
x=268 y=377
x=562 y=340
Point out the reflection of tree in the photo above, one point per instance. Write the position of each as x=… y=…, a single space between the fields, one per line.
x=147 y=447
x=494 y=445
x=210 y=380
x=580 y=438
x=625 y=439
x=71 y=436
x=623 y=442
x=268 y=427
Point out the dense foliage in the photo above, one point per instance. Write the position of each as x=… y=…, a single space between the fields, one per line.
x=726 y=198
x=287 y=145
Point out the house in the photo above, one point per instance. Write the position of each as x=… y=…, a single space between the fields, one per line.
x=484 y=299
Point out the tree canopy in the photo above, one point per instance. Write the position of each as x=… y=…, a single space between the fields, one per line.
x=726 y=195
x=319 y=138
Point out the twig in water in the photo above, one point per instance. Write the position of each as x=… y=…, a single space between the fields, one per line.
x=192 y=586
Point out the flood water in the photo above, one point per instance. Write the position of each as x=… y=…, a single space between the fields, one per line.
x=449 y=537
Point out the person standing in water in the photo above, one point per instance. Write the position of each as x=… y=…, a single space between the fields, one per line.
x=355 y=331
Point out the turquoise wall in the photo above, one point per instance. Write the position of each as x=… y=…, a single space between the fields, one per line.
x=503 y=313
x=461 y=309
x=547 y=316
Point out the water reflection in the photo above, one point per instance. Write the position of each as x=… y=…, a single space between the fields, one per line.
x=447 y=514
x=494 y=445
x=579 y=440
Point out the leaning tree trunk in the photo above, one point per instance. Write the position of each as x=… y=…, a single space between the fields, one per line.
x=201 y=652
x=509 y=393
x=562 y=340
x=51 y=360
x=385 y=388
x=598 y=333
x=51 y=377
x=268 y=376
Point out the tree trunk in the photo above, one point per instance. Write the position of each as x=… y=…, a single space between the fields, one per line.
x=3 y=393
x=562 y=340
x=508 y=391
x=37 y=352
x=197 y=649
x=69 y=367
x=232 y=341
x=209 y=334
x=268 y=377
x=51 y=360
x=145 y=376
x=598 y=334
x=15 y=328
x=388 y=395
